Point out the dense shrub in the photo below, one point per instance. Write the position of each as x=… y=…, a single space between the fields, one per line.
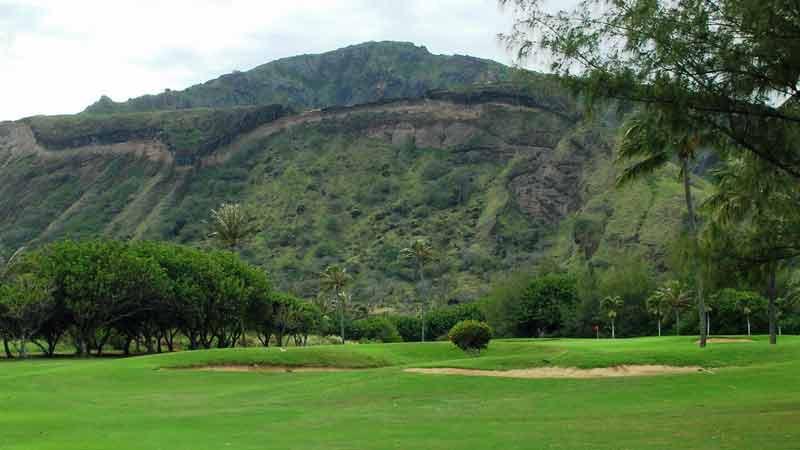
x=471 y=335
x=441 y=320
x=410 y=328
x=376 y=329
x=533 y=307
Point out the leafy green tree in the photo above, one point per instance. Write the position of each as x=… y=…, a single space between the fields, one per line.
x=722 y=66
x=611 y=305
x=755 y=223
x=27 y=304
x=230 y=225
x=377 y=329
x=408 y=326
x=694 y=68
x=5 y=267
x=98 y=282
x=533 y=307
x=420 y=253
x=291 y=317
x=305 y=319
x=441 y=320
x=334 y=279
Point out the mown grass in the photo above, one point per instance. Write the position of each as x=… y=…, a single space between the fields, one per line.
x=751 y=401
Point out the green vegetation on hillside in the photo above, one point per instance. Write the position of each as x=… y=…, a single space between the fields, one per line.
x=188 y=134
x=490 y=191
x=352 y=75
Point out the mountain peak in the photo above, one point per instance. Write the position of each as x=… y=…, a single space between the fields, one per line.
x=361 y=73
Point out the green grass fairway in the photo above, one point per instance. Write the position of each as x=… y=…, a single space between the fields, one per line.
x=751 y=401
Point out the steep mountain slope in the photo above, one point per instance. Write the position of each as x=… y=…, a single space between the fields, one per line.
x=495 y=177
x=353 y=75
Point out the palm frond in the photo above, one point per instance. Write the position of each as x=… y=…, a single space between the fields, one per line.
x=642 y=168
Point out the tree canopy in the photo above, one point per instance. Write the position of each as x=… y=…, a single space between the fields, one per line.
x=728 y=67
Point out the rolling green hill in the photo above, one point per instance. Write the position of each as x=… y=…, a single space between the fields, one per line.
x=496 y=176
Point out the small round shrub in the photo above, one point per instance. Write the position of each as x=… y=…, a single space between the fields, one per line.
x=470 y=335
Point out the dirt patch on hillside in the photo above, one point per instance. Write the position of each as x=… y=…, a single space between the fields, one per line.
x=724 y=340
x=256 y=368
x=566 y=372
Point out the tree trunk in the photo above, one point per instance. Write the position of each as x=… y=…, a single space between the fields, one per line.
x=613 y=333
x=659 y=327
x=677 y=323
x=748 y=325
x=708 y=324
x=422 y=314
x=9 y=354
x=83 y=348
x=771 y=294
x=701 y=304
x=23 y=346
x=341 y=315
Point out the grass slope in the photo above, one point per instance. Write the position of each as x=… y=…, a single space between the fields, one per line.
x=751 y=402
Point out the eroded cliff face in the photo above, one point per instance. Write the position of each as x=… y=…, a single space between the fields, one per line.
x=490 y=181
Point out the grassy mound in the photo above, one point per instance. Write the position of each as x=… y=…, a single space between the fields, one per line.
x=501 y=355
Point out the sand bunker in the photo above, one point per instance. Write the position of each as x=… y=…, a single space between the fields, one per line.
x=256 y=368
x=566 y=372
x=724 y=340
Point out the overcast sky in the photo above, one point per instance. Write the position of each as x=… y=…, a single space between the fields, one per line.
x=58 y=56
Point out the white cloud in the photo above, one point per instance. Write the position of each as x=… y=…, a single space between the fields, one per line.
x=59 y=56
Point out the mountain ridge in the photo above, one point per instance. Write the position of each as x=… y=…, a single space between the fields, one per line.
x=355 y=74
x=496 y=175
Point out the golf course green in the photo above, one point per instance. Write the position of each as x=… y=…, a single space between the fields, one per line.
x=747 y=395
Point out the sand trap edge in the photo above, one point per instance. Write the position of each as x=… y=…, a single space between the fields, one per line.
x=567 y=372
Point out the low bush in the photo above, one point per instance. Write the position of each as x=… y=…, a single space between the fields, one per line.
x=378 y=329
x=410 y=328
x=471 y=336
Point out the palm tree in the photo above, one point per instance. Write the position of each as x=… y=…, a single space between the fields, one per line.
x=657 y=305
x=230 y=225
x=420 y=252
x=611 y=305
x=678 y=297
x=785 y=306
x=334 y=279
x=748 y=303
x=652 y=140
x=711 y=302
x=754 y=207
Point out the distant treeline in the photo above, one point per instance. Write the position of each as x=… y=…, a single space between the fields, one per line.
x=101 y=293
